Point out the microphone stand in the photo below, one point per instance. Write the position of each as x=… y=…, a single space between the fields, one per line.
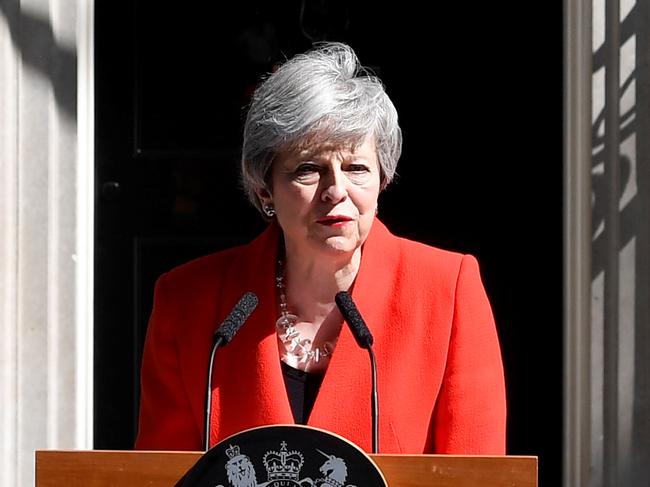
x=208 y=395
x=222 y=336
x=374 y=403
x=364 y=339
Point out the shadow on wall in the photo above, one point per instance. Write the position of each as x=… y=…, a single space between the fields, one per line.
x=620 y=266
x=39 y=49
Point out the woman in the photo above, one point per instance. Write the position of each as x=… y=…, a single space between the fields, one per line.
x=321 y=141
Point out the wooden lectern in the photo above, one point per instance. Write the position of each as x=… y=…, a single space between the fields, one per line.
x=99 y=468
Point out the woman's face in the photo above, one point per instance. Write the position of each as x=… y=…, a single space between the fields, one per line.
x=325 y=197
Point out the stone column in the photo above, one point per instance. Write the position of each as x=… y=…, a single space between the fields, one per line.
x=45 y=231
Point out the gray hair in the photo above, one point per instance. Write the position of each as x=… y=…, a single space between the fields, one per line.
x=323 y=94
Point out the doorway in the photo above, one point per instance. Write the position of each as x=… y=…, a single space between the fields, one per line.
x=480 y=108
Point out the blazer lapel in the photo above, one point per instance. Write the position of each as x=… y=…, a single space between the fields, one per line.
x=343 y=404
x=249 y=396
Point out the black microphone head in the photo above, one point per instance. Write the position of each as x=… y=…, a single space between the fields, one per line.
x=237 y=317
x=353 y=317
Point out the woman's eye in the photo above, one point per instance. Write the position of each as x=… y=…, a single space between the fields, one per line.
x=307 y=173
x=357 y=168
x=307 y=168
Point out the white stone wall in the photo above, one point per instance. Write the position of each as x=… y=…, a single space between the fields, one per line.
x=607 y=262
x=45 y=231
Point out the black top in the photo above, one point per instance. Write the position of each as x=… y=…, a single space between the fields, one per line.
x=302 y=388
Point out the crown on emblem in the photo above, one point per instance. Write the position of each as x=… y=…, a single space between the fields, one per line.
x=233 y=451
x=283 y=465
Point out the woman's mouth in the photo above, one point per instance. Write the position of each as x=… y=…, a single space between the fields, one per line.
x=334 y=220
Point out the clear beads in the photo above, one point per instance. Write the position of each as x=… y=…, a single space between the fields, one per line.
x=296 y=349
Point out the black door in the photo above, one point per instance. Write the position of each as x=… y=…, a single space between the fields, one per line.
x=478 y=89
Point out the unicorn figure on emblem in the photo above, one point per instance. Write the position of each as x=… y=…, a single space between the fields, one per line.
x=334 y=470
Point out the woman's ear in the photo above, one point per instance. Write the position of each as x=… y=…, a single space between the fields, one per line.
x=266 y=202
x=265 y=196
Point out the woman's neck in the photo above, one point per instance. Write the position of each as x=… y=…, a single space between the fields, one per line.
x=312 y=281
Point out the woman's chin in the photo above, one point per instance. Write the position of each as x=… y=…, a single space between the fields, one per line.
x=339 y=245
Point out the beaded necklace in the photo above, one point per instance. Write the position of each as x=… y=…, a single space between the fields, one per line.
x=296 y=350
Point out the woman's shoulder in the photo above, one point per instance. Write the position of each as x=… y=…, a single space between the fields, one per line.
x=416 y=249
x=213 y=266
x=417 y=253
x=426 y=261
x=417 y=262
x=205 y=264
x=418 y=271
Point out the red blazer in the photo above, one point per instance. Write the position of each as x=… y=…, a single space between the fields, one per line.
x=440 y=375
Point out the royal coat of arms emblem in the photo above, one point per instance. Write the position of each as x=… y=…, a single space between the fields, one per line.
x=252 y=459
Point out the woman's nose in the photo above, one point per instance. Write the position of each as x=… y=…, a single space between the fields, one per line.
x=335 y=189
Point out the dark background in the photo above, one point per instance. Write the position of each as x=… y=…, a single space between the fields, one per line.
x=478 y=88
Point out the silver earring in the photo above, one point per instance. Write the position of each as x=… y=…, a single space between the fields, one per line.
x=269 y=211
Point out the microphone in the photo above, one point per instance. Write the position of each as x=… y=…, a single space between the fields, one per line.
x=364 y=339
x=222 y=337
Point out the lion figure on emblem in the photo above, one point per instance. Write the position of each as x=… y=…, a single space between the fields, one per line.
x=241 y=472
